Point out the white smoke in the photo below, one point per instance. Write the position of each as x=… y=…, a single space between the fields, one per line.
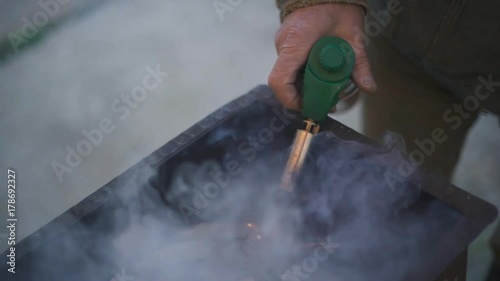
x=226 y=219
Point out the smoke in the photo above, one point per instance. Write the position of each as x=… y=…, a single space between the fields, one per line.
x=223 y=216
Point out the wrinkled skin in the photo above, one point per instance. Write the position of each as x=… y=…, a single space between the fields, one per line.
x=298 y=33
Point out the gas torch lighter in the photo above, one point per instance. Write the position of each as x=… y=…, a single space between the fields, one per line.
x=326 y=81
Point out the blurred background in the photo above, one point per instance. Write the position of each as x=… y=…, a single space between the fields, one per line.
x=77 y=59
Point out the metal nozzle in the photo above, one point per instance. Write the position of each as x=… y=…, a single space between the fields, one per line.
x=298 y=154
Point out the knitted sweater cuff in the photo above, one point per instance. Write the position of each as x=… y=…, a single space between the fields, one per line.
x=288 y=6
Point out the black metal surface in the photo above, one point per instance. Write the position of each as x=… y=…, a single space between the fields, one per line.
x=96 y=210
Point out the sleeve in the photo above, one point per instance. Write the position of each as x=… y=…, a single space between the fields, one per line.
x=288 y=6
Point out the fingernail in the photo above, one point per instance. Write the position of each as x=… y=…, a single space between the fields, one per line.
x=369 y=83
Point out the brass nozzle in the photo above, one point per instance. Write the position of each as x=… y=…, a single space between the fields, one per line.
x=298 y=154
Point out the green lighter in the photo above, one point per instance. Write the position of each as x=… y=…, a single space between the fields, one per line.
x=326 y=78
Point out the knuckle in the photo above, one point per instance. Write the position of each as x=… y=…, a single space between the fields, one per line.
x=358 y=49
x=291 y=104
x=273 y=80
x=285 y=101
x=287 y=37
x=362 y=60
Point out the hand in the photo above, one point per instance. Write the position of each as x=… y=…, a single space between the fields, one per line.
x=298 y=33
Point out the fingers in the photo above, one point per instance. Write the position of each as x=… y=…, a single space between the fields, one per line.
x=362 y=74
x=282 y=79
x=300 y=30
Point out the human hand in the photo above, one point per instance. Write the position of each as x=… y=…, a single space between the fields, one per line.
x=298 y=33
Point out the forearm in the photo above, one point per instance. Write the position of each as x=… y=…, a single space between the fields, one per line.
x=288 y=6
